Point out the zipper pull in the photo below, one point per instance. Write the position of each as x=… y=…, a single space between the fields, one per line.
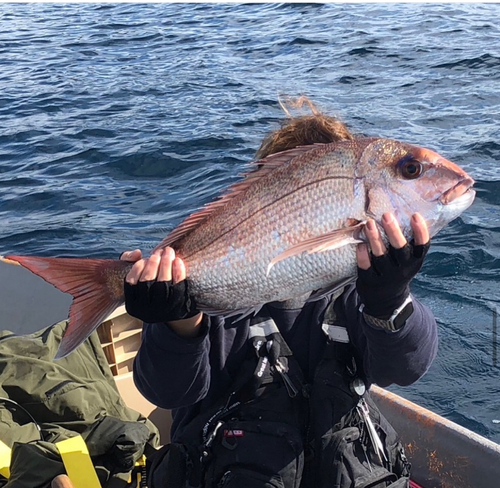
x=205 y=453
x=378 y=447
x=291 y=388
x=212 y=435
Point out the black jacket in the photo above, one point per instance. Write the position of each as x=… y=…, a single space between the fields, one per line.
x=189 y=375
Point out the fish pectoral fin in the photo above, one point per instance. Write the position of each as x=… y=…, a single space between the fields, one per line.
x=325 y=242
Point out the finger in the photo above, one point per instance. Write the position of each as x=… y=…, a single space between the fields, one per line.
x=178 y=270
x=150 y=271
x=374 y=238
x=165 y=270
x=420 y=230
x=135 y=273
x=362 y=256
x=393 y=231
x=131 y=256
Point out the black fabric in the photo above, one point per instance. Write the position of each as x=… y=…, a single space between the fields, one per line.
x=190 y=375
x=266 y=449
x=261 y=435
x=234 y=438
x=344 y=455
x=348 y=459
x=384 y=286
x=168 y=467
x=116 y=444
x=265 y=434
x=245 y=478
x=159 y=301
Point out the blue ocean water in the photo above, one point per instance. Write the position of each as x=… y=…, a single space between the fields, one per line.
x=117 y=121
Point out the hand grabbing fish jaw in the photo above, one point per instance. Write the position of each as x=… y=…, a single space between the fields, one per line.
x=396 y=238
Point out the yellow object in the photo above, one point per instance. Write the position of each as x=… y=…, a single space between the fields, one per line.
x=77 y=462
x=8 y=261
x=138 y=470
x=5 y=455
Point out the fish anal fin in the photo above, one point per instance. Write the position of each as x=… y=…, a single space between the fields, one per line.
x=325 y=242
x=240 y=313
x=95 y=284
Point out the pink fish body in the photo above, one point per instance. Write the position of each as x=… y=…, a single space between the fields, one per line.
x=289 y=228
x=292 y=226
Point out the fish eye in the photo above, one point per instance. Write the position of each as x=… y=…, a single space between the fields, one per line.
x=411 y=169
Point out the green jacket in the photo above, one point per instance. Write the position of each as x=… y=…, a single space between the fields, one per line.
x=66 y=397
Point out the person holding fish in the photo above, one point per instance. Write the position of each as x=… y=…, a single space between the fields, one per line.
x=270 y=312
x=234 y=381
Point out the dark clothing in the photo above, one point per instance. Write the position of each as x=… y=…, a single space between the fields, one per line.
x=189 y=375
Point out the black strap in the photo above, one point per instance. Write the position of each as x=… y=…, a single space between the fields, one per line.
x=14 y=407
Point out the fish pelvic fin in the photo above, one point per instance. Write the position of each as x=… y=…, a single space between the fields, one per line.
x=325 y=242
x=95 y=284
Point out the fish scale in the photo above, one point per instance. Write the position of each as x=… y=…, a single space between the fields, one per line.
x=311 y=196
x=307 y=168
x=292 y=223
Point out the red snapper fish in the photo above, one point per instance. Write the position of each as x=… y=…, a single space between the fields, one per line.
x=290 y=227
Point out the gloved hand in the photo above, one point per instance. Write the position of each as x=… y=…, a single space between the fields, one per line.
x=384 y=277
x=159 y=301
x=156 y=289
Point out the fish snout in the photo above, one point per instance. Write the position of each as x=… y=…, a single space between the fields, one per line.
x=451 y=172
x=457 y=191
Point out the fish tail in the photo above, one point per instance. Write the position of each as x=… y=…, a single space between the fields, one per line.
x=95 y=284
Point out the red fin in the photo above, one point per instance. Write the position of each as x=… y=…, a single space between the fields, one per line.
x=326 y=242
x=265 y=166
x=95 y=284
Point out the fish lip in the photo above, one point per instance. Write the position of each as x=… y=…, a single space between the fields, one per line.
x=462 y=187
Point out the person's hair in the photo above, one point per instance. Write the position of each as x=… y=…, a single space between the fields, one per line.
x=303 y=130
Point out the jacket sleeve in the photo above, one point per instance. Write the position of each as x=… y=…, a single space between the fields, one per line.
x=172 y=371
x=400 y=357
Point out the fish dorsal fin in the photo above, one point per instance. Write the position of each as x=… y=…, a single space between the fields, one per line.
x=263 y=168
x=325 y=242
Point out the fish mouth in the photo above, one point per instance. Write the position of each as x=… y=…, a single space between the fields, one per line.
x=460 y=189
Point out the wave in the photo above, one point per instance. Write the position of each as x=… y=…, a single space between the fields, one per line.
x=485 y=61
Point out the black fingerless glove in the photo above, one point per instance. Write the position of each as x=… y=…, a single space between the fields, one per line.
x=159 y=301
x=385 y=285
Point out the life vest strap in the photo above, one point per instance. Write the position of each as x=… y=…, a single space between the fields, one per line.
x=5 y=458
x=77 y=462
